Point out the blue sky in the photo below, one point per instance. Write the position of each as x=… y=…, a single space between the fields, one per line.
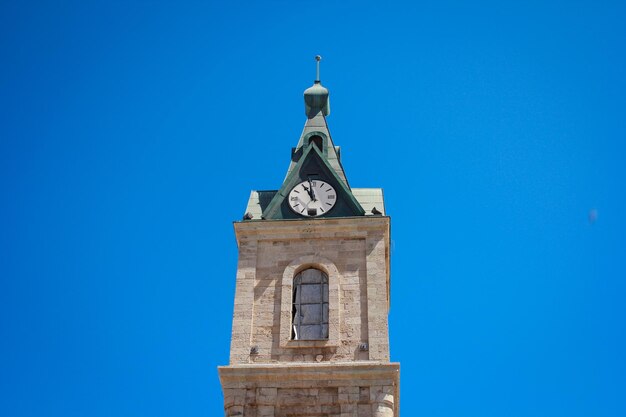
x=131 y=134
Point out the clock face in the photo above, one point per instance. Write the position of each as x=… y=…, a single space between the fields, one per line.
x=312 y=198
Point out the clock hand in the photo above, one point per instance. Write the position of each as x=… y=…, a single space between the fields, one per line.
x=312 y=193
x=309 y=192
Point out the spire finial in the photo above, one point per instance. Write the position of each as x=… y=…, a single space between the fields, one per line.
x=318 y=58
x=316 y=96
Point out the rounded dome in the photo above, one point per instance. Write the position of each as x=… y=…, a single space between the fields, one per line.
x=316 y=100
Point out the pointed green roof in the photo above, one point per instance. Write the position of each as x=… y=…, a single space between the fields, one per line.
x=314 y=161
x=317 y=126
x=315 y=158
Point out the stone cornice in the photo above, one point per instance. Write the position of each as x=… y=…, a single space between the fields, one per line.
x=280 y=372
x=310 y=228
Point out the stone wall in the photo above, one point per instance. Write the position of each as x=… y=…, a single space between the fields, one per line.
x=354 y=254
x=347 y=375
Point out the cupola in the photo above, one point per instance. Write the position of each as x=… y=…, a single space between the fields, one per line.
x=316 y=97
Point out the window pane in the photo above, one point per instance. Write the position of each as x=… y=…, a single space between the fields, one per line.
x=311 y=314
x=324 y=329
x=297 y=316
x=311 y=276
x=325 y=293
x=311 y=332
x=296 y=294
x=310 y=293
x=325 y=313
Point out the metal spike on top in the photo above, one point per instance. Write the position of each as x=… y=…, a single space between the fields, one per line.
x=316 y=96
x=318 y=58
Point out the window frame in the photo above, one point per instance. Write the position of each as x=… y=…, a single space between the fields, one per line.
x=302 y=307
x=286 y=317
x=325 y=143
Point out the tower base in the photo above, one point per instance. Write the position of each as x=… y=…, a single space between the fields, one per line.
x=355 y=389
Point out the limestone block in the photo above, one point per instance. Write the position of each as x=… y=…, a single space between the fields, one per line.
x=364 y=410
x=265 y=411
x=234 y=411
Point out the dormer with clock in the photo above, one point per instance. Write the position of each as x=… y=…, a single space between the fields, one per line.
x=315 y=161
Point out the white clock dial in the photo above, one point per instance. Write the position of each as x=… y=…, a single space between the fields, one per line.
x=312 y=198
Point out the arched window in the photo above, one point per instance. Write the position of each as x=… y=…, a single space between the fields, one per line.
x=310 y=305
x=317 y=141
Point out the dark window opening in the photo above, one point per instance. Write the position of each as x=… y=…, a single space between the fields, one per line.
x=310 y=306
x=317 y=141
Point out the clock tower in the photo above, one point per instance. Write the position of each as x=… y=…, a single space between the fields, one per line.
x=310 y=330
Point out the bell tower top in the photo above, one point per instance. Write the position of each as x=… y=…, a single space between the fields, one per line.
x=316 y=97
x=316 y=185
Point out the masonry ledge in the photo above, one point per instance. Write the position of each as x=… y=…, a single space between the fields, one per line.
x=310 y=371
x=293 y=227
